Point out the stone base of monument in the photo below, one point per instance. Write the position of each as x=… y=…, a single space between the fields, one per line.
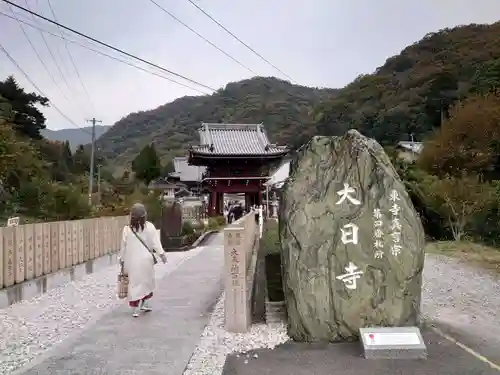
x=393 y=343
x=275 y=312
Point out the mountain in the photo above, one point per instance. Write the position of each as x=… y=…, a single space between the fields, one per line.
x=75 y=137
x=284 y=109
x=410 y=94
x=413 y=91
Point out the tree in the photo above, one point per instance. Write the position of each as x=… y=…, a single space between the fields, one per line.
x=458 y=200
x=168 y=168
x=26 y=117
x=81 y=160
x=147 y=165
x=468 y=141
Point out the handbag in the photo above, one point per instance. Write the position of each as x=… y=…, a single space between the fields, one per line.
x=122 y=283
x=146 y=246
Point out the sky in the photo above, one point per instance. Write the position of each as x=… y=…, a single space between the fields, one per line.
x=321 y=43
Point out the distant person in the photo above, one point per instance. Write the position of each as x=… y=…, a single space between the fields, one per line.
x=140 y=243
x=237 y=211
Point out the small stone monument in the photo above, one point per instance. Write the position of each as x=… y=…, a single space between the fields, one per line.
x=353 y=244
x=171 y=225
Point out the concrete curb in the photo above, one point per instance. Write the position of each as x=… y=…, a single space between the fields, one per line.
x=202 y=237
x=36 y=287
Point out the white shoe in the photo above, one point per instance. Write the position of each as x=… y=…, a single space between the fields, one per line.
x=136 y=312
x=145 y=306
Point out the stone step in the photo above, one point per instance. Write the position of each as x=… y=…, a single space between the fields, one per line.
x=275 y=312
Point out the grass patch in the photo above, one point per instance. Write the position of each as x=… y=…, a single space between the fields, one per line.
x=271 y=247
x=485 y=256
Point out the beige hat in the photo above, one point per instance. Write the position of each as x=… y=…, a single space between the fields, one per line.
x=138 y=211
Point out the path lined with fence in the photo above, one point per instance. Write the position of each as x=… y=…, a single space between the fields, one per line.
x=188 y=287
x=32 y=250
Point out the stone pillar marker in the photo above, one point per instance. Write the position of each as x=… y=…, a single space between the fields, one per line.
x=352 y=242
x=237 y=314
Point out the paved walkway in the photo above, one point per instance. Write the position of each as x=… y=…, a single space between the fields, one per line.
x=159 y=342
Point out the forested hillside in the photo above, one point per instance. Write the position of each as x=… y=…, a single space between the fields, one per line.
x=284 y=108
x=410 y=93
x=414 y=90
x=75 y=136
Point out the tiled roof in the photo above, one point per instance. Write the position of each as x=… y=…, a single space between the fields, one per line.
x=415 y=147
x=186 y=172
x=235 y=139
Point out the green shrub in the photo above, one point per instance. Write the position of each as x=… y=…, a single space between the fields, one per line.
x=270 y=242
x=199 y=227
x=270 y=246
x=187 y=228
x=213 y=224
x=221 y=221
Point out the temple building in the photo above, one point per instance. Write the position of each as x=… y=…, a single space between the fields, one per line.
x=189 y=176
x=238 y=158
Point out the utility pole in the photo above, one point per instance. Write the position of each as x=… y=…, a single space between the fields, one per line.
x=99 y=182
x=91 y=177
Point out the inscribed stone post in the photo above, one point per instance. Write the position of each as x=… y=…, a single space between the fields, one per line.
x=102 y=237
x=29 y=251
x=171 y=225
x=62 y=244
x=38 y=245
x=109 y=235
x=80 y=244
x=46 y=248
x=116 y=233
x=69 y=243
x=98 y=239
x=20 y=270
x=86 y=239
x=74 y=242
x=352 y=241
x=92 y=249
x=2 y=256
x=9 y=257
x=54 y=246
x=236 y=304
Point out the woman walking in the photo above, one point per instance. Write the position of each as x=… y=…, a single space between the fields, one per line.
x=140 y=242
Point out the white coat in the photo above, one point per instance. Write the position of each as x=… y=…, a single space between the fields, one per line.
x=138 y=261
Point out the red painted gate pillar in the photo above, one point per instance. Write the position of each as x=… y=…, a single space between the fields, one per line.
x=212 y=204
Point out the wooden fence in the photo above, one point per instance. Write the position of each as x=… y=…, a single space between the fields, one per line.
x=194 y=213
x=32 y=250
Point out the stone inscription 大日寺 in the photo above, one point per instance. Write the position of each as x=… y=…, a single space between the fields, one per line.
x=349 y=235
x=352 y=242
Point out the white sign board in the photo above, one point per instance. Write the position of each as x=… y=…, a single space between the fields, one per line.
x=13 y=222
x=392 y=338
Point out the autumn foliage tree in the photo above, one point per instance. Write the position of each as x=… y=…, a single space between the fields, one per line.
x=459 y=200
x=468 y=141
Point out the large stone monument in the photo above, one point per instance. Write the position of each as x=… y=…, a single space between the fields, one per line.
x=352 y=241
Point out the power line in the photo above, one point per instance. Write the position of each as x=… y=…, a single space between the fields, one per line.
x=71 y=59
x=37 y=54
x=239 y=40
x=37 y=88
x=109 y=46
x=202 y=37
x=50 y=51
x=61 y=36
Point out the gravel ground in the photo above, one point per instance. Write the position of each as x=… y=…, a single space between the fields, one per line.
x=461 y=295
x=216 y=343
x=453 y=291
x=30 y=328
